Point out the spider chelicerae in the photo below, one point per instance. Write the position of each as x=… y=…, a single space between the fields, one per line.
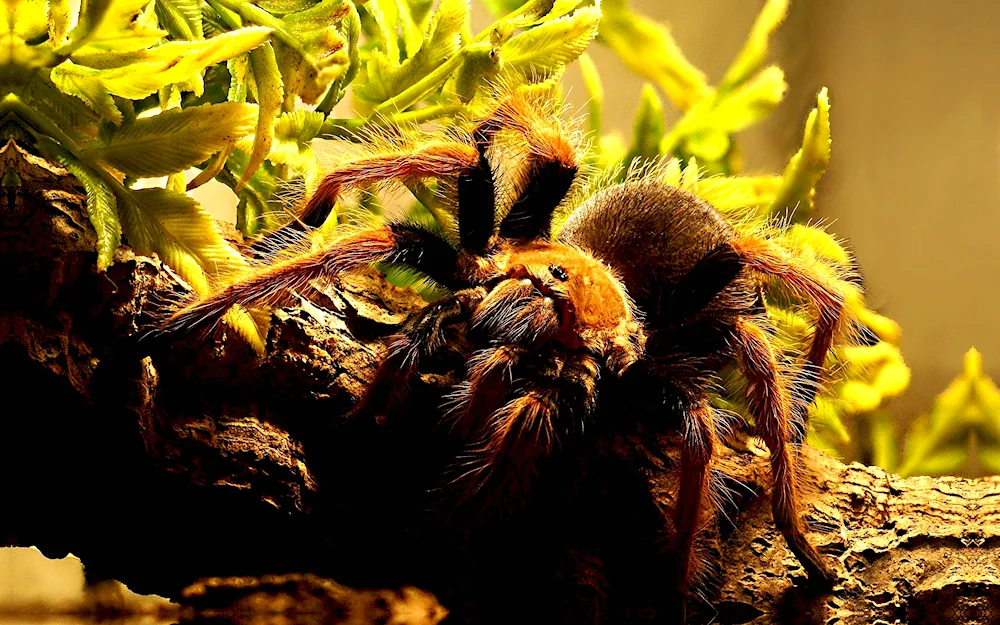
x=641 y=275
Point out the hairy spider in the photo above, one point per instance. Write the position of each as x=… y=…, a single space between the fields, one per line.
x=642 y=275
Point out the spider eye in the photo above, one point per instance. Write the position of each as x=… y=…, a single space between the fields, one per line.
x=558 y=273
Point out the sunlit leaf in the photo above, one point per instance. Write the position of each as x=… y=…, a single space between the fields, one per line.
x=174 y=140
x=754 y=53
x=180 y=18
x=648 y=127
x=293 y=135
x=309 y=49
x=270 y=95
x=809 y=164
x=119 y=25
x=252 y=210
x=387 y=78
x=482 y=63
x=135 y=75
x=190 y=229
x=595 y=93
x=350 y=30
x=30 y=19
x=239 y=77
x=551 y=46
x=648 y=49
x=59 y=21
x=943 y=461
x=101 y=207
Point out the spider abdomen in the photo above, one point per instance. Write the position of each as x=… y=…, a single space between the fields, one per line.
x=655 y=235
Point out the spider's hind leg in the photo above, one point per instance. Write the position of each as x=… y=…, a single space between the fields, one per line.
x=828 y=296
x=769 y=402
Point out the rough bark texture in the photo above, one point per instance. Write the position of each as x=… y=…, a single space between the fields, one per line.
x=167 y=459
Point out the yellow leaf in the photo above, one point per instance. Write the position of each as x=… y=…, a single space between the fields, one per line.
x=809 y=164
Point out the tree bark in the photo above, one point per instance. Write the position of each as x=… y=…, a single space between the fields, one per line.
x=163 y=459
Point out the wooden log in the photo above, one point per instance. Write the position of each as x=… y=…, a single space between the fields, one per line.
x=163 y=459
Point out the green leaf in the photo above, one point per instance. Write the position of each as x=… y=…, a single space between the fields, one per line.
x=180 y=18
x=135 y=75
x=269 y=94
x=91 y=92
x=808 y=165
x=73 y=116
x=59 y=21
x=884 y=440
x=185 y=237
x=101 y=206
x=989 y=458
x=704 y=130
x=252 y=211
x=502 y=7
x=749 y=103
x=595 y=93
x=481 y=64
x=309 y=49
x=648 y=49
x=387 y=78
x=173 y=140
x=293 y=135
x=30 y=19
x=386 y=14
x=185 y=228
x=249 y=213
x=239 y=77
x=754 y=53
x=530 y=13
x=281 y=7
x=119 y=25
x=648 y=127
x=546 y=49
x=943 y=461
x=350 y=30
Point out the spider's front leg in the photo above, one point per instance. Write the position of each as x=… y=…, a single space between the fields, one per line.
x=424 y=336
x=551 y=407
x=694 y=506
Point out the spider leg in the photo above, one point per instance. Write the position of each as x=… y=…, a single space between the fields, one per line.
x=514 y=318
x=826 y=296
x=693 y=503
x=423 y=336
x=550 y=164
x=696 y=288
x=529 y=428
x=403 y=244
x=434 y=159
x=769 y=402
x=491 y=374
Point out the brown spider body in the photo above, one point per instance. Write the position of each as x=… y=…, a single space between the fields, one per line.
x=698 y=282
x=641 y=277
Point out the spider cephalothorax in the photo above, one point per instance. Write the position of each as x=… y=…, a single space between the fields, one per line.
x=643 y=277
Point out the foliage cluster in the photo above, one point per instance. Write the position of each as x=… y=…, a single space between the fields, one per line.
x=123 y=90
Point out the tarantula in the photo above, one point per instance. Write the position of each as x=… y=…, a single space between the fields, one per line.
x=642 y=274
